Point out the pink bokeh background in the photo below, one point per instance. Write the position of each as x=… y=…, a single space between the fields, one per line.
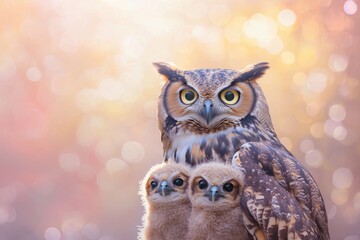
x=78 y=124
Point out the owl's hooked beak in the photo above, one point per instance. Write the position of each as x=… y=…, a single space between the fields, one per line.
x=207 y=114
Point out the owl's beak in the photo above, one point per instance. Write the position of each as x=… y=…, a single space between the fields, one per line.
x=208 y=110
x=164 y=188
x=214 y=193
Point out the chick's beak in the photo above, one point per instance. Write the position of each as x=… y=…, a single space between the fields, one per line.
x=214 y=193
x=164 y=188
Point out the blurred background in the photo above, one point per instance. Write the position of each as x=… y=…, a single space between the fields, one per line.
x=78 y=124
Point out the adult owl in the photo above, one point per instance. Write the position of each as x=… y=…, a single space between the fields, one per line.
x=209 y=114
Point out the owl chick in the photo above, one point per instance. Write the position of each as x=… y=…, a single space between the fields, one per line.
x=214 y=194
x=167 y=206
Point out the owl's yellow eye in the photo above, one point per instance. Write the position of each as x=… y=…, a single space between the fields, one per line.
x=230 y=96
x=188 y=96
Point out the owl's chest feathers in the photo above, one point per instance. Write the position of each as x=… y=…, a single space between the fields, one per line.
x=187 y=147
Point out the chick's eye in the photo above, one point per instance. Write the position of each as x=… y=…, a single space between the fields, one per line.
x=228 y=187
x=188 y=96
x=202 y=184
x=230 y=96
x=153 y=184
x=178 y=182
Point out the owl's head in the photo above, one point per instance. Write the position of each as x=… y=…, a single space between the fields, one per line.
x=215 y=187
x=208 y=98
x=165 y=183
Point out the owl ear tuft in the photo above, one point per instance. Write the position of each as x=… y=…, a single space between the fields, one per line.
x=169 y=71
x=252 y=72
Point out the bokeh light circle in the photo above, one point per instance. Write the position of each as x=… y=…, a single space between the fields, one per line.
x=132 y=152
x=287 y=17
x=287 y=57
x=69 y=162
x=115 y=165
x=338 y=63
x=52 y=233
x=314 y=158
x=350 y=7
x=342 y=178
x=339 y=196
x=33 y=74
x=337 y=113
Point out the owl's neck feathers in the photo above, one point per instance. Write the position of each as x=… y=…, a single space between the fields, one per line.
x=167 y=207
x=163 y=213
x=184 y=145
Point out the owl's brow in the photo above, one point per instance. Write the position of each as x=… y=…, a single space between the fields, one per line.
x=177 y=173
x=155 y=176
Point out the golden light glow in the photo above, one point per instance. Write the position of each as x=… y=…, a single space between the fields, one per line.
x=339 y=197
x=78 y=109
x=287 y=57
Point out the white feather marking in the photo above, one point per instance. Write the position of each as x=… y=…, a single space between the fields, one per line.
x=259 y=197
x=275 y=204
x=272 y=222
x=246 y=146
x=185 y=140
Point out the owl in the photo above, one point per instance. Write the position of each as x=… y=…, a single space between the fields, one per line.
x=167 y=206
x=207 y=114
x=214 y=194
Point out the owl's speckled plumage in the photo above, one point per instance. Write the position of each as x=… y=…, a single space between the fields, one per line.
x=204 y=127
x=290 y=175
x=269 y=208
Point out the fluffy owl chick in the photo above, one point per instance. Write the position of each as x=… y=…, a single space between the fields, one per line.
x=214 y=194
x=167 y=206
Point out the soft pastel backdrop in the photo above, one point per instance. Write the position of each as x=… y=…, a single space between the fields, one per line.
x=78 y=125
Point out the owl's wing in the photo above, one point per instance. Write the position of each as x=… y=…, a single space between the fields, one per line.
x=272 y=213
x=280 y=167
